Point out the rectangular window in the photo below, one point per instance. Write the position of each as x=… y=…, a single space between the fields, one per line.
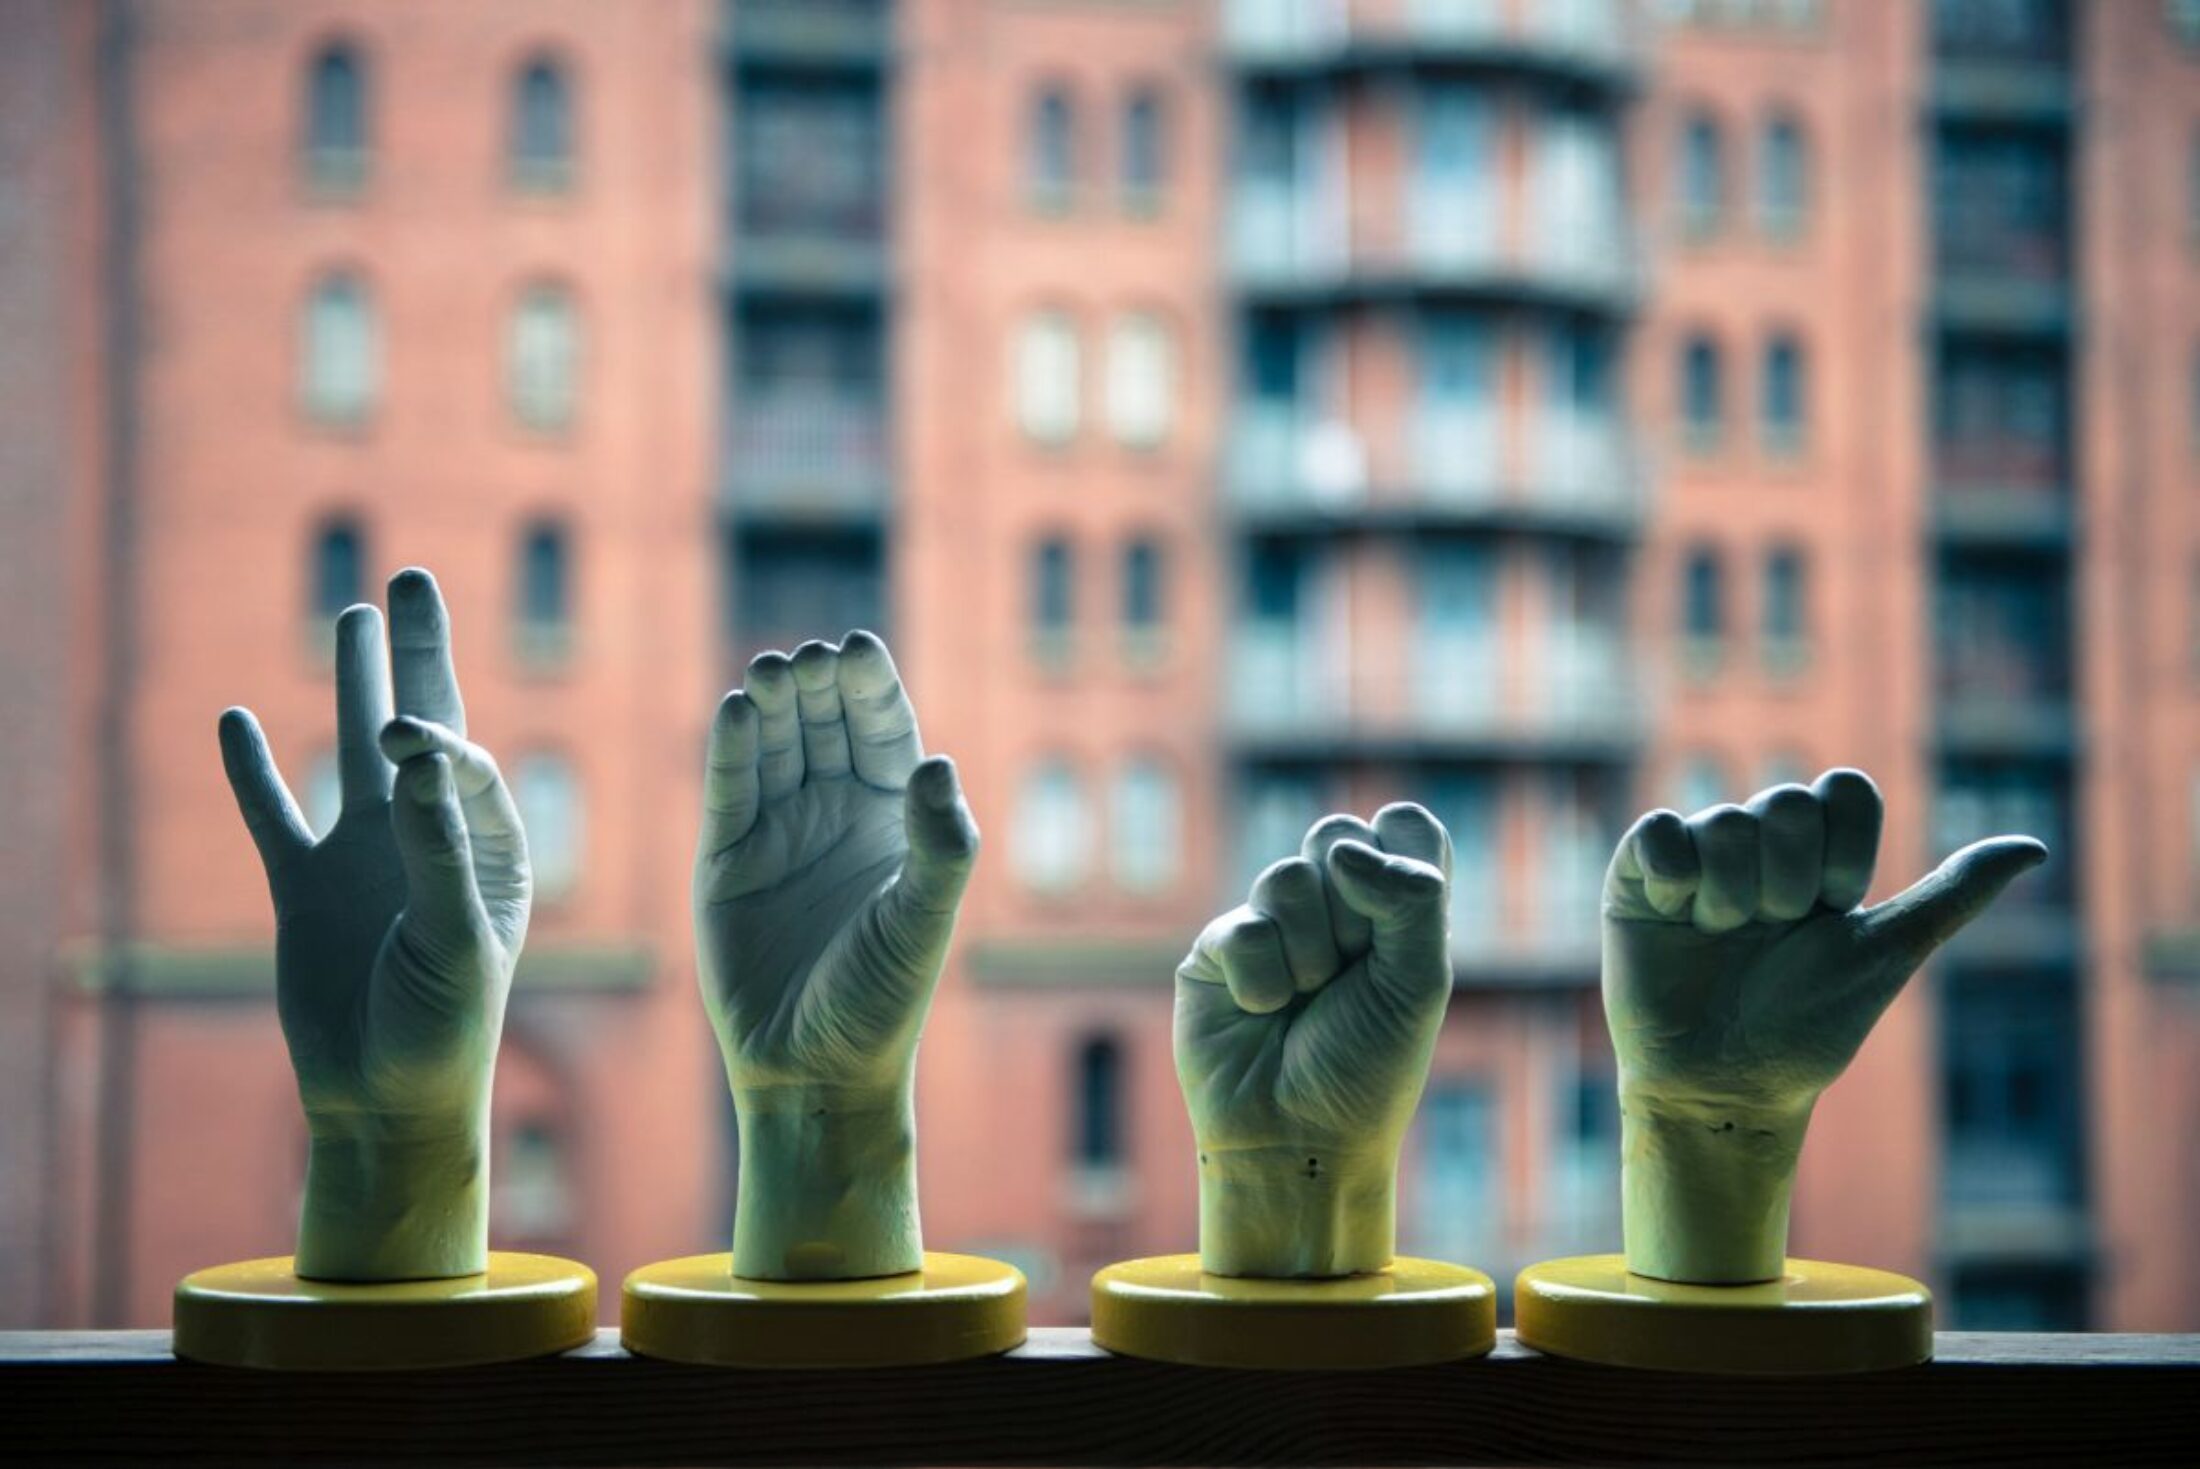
x=2002 y=632
x=793 y=585
x=1999 y=206
x=2010 y=1087
x=810 y=160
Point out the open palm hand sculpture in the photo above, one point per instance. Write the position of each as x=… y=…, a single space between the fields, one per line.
x=1304 y=1023
x=1740 y=978
x=396 y=934
x=832 y=860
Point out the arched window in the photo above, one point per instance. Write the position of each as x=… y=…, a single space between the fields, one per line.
x=545 y=591
x=1053 y=588
x=1047 y=377
x=1702 y=174
x=548 y=796
x=339 y=569
x=1051 y=837
x=542 y=358
x=1051 y=164
x=1141 y=384
x=1703 y=393
x=1098 y=1140
x=542 y=127
x=1703 y=597
x=336 y=141
x=340 y=368
x=1786 y=609
x=1783 y=394
x=1145 y=159
x=1144 y=609
x=1783 y=185
x=1145 y=826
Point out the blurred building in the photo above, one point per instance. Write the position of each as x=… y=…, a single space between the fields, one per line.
x=1232 y=411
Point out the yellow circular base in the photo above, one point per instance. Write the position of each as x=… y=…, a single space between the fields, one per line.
x=259 y=1313
x=697 y=1310
x=1415 y=1312
x=1817 y=1318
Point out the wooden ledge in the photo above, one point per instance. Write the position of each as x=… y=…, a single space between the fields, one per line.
x=1988 y=1399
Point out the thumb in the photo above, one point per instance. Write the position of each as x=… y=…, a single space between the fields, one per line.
x=1929 y=912
x=943 y=842
x=431 y=844
x=1403 y=900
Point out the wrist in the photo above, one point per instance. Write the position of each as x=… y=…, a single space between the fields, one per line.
x=383 y=1209
x=1297 y=1212
x=828 y=1184
x=1705 y=1186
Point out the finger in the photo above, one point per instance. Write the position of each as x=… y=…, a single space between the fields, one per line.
x=1403 y=900
x=1346 y=925
x=1726 y=847
x=882 y=727
x=769 y=684
x=1295 y=896
x=1407 y=830
x=494 y=833
x=1250 y=951
x=420 y=650
x=730 y=790
x=1853 y=817
x=1928 y=913
x=270 y=814
x=943 y=840
x=440 y=898
x=362 y=706
x=1791 y=849
x=817 y=701
x=1654 y=869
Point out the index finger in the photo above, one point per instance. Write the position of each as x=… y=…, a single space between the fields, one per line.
x=420 y=652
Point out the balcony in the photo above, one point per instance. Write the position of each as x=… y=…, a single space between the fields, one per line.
x=1591 y=44
x=808 y=459
x=809 y=33
x=1977 y=719
x=1986 y=1397
x=2000 y=63
x=1572 y=699
x=1294 y=472
x=2024 y=508
x=1288 y=246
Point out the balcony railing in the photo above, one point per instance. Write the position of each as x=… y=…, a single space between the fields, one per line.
x=1577 y=474
x=808 y=459
x=1570 y=698
x=811 y=32
x=1985 y=1398
x=1581 y=41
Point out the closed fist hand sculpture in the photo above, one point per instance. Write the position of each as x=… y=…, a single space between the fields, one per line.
x=833 y=857
x=395 y=937
x=1740 y=978
x=1304 y=1023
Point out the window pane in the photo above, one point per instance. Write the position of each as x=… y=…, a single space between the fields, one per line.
x=1145 y=145
x=1141 y=385
x=548 y=796
x=543 y=358
x=1784 y=189
x=1703 y=595
x=543 y=591
x=1783 y=394
x=1052 y=149
x=342 y=366
x=811 y=160
x=336 y=115
x=1047 y=389
x=1053 y=587
x=1051 y=837
x=1142 y=592
x=1099 y=1137
x=339 y=570
x=1784 y=597
x=1702 y=170
x=1702 y=391
x=542 y=127
x=1146 y=821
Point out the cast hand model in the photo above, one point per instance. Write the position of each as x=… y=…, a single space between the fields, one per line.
x=1304 y=1024
x=395 y=937
x=833 y=856
x=1740 y=977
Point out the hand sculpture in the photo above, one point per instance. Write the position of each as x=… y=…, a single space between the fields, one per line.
x=1304 y=1024
x=833 y=856
x=1740 y=977
x=395 y=937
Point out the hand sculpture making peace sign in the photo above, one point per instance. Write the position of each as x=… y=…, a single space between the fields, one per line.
x=1740 y=978
x=1304 y=1023
x=395 y=939
x=833 y=857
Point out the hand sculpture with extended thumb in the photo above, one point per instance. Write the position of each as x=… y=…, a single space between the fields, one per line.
x=1305 y=1019
x=1740 y=977
x=832 y=860
x=395 y=937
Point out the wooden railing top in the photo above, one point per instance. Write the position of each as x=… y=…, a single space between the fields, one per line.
x=1986 y=1399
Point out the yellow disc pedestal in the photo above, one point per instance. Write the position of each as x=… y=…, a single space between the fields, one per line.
x=1414 y=1313
x=697 y=1310
x=1817 y=1318
x=259 y=1313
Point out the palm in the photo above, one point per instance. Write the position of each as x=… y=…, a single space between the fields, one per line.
x=1299 y=1021
x=821 y=928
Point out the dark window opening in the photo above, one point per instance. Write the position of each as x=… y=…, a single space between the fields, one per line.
x=542 y=127
x=1099 y=1130
x=339 y=569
